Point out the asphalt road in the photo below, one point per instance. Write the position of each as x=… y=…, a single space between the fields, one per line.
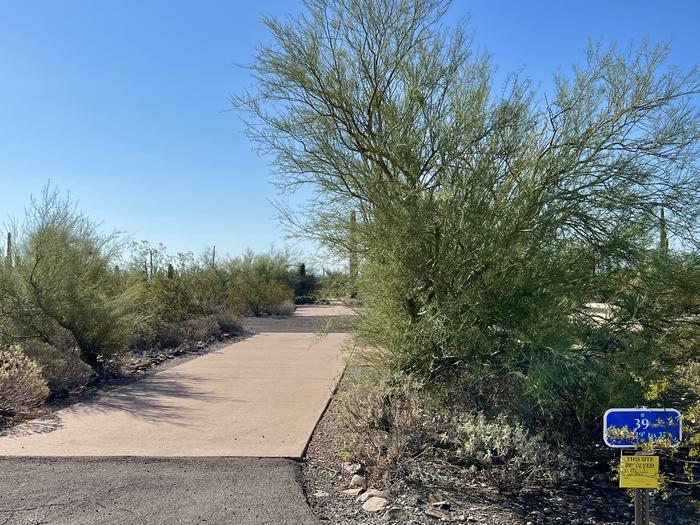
x=322 y=324
x=172 y=491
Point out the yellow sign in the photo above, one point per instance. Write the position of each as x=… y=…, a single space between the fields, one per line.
x=639 y=472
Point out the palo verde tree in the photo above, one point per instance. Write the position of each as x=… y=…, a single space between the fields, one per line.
x=489 y=218
x=60 y=288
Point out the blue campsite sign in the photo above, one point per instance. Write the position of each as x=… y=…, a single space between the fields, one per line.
x=635 y=427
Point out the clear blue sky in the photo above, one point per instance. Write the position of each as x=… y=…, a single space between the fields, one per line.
x=125 y=103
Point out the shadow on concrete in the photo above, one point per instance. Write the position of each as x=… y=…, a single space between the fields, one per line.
x=154 y=399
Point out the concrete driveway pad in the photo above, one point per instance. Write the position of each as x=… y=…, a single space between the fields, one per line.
x=259 y=397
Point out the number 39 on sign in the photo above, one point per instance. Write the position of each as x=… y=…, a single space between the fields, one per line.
x=636 y=427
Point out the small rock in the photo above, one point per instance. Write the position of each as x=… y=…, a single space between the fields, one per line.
x=352 y=468
x=435 y=513
x=321 y=494
x=603 y=478
x=444 y=505
x=370 y=493
x=353 y=492
x=416 y=500
x=358 y=481
x=395 y=513
x=375 y=504
x=471 y=519
x=438 y=496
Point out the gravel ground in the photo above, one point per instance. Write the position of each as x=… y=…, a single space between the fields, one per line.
x=591 y=500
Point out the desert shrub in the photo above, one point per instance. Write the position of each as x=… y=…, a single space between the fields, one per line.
x=389 y=424
x=60 y=278
x=228 y=322
x=285 y=307
x=172 y=291
x=274 y=265
x=200 y=328
x=334 y=284
x=164 y=335
x=164 y=304
x=681 y=463
x=399 y=430
x=62 y=369
x=258 y=294
x=22 y=388
x=499 y=449
x=261 y=283
x=209 y=288
x=169 y=300
x=305 y=285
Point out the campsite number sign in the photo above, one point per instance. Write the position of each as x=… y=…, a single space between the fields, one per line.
x=637 y=431
x=635 y=427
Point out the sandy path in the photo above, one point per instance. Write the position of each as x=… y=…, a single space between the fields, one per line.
x=259 y=397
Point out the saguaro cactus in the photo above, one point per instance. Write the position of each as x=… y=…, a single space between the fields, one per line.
x=8 y=256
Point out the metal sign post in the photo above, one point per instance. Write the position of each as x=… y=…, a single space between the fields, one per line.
x=641 y=506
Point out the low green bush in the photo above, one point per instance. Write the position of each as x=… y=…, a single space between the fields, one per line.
x=22 y=388
x=259 y=295
x=229 y=323
x=201 y=328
